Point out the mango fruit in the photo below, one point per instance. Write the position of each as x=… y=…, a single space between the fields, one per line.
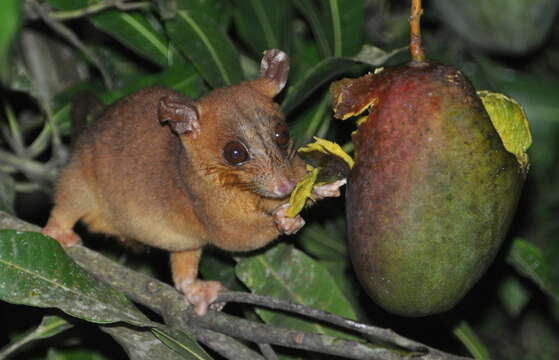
x=433 y=190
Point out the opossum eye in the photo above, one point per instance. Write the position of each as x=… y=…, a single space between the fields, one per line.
x=281 y=135
x=235 y=153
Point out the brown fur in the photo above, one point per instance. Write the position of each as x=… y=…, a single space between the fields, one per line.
x=131 y=177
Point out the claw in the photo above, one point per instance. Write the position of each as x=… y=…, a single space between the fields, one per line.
x=329 y=190
x=285 y=224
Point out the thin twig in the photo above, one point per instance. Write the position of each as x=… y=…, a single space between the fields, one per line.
x=15 y=137
x=225 y=345
x=22 y=187
x=373 y=332
x=416 y=50
x=59 y=150
x=97 y=8
x=6 y=134
x=298 y=339
x=268 y=352
x=7 y=169
x=42 y=140
x=32 y=169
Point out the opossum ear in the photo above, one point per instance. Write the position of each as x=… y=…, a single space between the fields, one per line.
x=180 y=113
x=274 y=69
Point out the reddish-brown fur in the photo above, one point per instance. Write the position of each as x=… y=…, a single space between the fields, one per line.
x=131 y=177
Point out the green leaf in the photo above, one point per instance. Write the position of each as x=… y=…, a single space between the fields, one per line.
x=304 y=55
x=320 y=74
x=509 y=119
x=528 y=260
x=199 y=37
x=9 y=26
x=142 y=344
x=346 y=21
x=217 y=267
x=323 y=243
x=330 y=68
x=513 y=295
x=288 y=273
x=132 y=29
x=135 y=32
x=35 y=271
x=50 y=326
x=466 y=334
x=310 y=11
x=337 y=25
x=538 y=98
x=326 y=242
x=181 y=343
x=73 y=354
x=376 y=56
x=342 y=273
x=182 y=77
x=262 y=24
x=311 y=120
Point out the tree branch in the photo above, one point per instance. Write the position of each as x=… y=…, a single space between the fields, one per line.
x=209 y=329
x=97 y=8
x=268 y=352
x=373 y=332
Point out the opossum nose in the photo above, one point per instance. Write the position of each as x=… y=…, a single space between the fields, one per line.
x=284 y=187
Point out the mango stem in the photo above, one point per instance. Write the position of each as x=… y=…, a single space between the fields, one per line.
x=416 y=50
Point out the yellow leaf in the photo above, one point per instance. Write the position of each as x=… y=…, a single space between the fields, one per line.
x=511 y=124
x=301 y=193
x=331 y=162
x=328 y=148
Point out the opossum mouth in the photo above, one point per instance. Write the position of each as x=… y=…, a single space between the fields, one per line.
x=276 y=190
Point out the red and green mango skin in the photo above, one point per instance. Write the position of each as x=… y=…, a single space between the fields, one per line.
x=432 y=192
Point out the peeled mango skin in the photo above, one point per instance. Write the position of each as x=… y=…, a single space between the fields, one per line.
x=433 y=190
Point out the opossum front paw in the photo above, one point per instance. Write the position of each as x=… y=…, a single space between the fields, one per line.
x=328 y=190
x=285 y=224
x=201 y=294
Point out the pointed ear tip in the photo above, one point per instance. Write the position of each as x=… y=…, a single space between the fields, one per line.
x=275 y=55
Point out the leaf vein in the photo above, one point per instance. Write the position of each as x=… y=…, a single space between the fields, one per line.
x=207 y=43
x=335 y=11
x=146 y=33
x=266 y=27
x=319 y=328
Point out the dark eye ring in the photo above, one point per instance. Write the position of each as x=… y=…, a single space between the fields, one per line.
x=235 y=153
x=281 y=135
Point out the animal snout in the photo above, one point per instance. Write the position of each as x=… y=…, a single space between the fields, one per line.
x=284 y=187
